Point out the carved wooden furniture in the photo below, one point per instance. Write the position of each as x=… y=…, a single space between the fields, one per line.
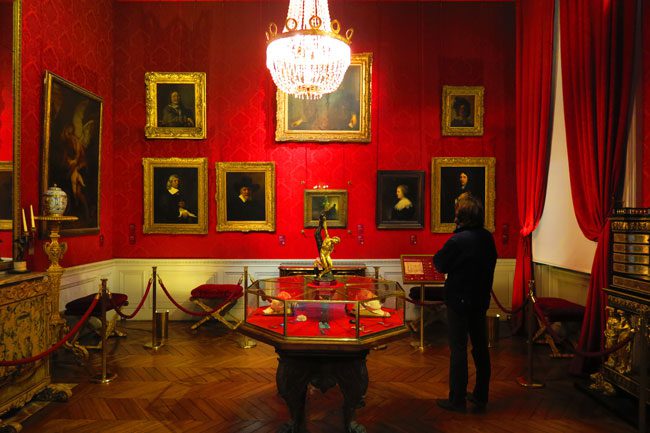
x=628 y=299
x=556 y=310
x=222 y=297
x=322 y=335
x=287 y=269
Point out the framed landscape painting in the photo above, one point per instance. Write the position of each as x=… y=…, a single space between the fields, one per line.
x=334 y=201
x=72 y=139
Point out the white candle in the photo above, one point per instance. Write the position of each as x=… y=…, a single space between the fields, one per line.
x=31 y=211
x=24 y=222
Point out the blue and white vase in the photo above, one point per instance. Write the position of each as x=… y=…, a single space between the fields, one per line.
x=55 y=200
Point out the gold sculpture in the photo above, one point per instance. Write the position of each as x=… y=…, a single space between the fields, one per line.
x=600 y=384
x=617 y=330
x=325 y=247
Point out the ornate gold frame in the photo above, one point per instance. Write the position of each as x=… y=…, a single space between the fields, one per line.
x=363 y=135
x=152 y=130
x=47 y=148
x=268 y=168
x=437 y=164
x=341 y=222
x=201 y=226
x=7 y=166
x=448 y=92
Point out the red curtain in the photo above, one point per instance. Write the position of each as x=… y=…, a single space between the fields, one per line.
x=597 y=44
x=534 y=81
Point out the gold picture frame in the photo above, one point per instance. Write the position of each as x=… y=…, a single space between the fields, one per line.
x=447 y=184
x=72 y=149
x=6 y=191
x=175 y=207
x=342 y=116
x=462 y=110
x=317 y=199
x=234 y=212
x=169 y=116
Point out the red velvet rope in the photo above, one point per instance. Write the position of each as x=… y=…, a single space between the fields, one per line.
x=558 y=339
x=514 y=310
x=137 y=309
x=190 y=312
x=72 y=332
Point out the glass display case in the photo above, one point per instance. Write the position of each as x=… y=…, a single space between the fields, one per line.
x=353 y=311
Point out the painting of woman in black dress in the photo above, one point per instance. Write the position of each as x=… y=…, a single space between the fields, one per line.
x=400 y=199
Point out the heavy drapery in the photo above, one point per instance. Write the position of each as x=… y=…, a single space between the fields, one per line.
x=534 y=80
x=597 y=45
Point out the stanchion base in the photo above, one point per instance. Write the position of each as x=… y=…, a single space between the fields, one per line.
x=417 y=345
x=247 y=343
x=522 y=381
x=154 y=346
x=100 y=378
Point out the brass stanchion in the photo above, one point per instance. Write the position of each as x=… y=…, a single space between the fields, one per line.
x=105 y=376
x=376 y=272
x=527 y=381
x=156 y=341
x=246 y=342
x=420 y=345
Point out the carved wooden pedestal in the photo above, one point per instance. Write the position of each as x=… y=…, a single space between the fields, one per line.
x=323 y=369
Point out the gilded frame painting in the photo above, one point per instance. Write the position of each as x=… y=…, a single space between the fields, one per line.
x=175 y=104
x=451 y=177
x=462 y=110
x=400 y=199
x=175 y=195
x=71 y=157
x=342 y=116
x=245 y=196
x=6 y=191
x=318 y=200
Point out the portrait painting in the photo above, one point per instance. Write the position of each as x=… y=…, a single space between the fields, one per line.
x=175 y=195
x=400 y=199
x=462 y=110
x=334 y=202
x=245 y=196
x=340 y=116
x=453 y=177
x=6 y=192
x=175 y=105
x=72 y=150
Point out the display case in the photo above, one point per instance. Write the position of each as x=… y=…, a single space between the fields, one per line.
x=354 y=312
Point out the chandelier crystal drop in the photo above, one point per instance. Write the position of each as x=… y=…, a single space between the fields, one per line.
x=309 y=58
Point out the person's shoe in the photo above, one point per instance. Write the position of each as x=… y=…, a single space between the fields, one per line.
x=479 y=406
x=445 y=404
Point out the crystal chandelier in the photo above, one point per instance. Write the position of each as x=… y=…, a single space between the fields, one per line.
x=309 y=58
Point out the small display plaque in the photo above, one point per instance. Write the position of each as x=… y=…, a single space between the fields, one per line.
x=419 y=268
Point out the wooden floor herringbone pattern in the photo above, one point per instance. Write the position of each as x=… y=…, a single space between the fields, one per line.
x=203 y=382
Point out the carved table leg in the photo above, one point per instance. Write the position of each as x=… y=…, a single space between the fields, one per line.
x=55 y=392
x=353 y=382
x=292 y=378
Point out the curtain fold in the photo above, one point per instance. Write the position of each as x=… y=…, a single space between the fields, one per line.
x=535 y=28
x=597 y=48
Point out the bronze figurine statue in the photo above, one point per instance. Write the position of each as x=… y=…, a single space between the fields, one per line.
x=325 y=247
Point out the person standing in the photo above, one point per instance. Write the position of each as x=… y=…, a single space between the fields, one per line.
x=468 y=258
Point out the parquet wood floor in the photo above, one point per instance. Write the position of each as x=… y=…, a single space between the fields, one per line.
x=203 y=382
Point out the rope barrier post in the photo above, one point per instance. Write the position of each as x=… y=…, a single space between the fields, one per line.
x=376 y=272
x=155 y=342
x=643 y=379
x=528 y=381
x=105 y=376
x=420 y=345
x=246 y=342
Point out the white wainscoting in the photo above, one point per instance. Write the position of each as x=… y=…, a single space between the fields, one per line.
x=180 y=276
x=557 y=282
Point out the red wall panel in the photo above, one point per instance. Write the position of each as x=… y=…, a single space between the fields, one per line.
x=74 y=40
x=418 y=47
x=645 y=92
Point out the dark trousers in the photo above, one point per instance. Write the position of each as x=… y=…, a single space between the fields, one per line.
x=461 y=324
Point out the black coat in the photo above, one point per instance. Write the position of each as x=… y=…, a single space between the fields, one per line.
x=468 y=258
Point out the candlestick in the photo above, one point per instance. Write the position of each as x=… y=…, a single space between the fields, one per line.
x=24 y=222
x=31 y=211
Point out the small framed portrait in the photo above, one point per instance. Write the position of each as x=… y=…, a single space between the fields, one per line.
x=334 y=202
x=6 y=192
x=245 y=196
x=72 y=139
x=452 y=177
x=175 y=195
x=175 y=105
x=400 y=199
x=340 y=116
x=462 y=110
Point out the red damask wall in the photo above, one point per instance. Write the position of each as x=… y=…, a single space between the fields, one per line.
x=418 y=47
x=73 y=39
x=645 y=91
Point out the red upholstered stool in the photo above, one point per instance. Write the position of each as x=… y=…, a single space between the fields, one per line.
x=78 y=307
x=556 y=310
x=223 y=297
